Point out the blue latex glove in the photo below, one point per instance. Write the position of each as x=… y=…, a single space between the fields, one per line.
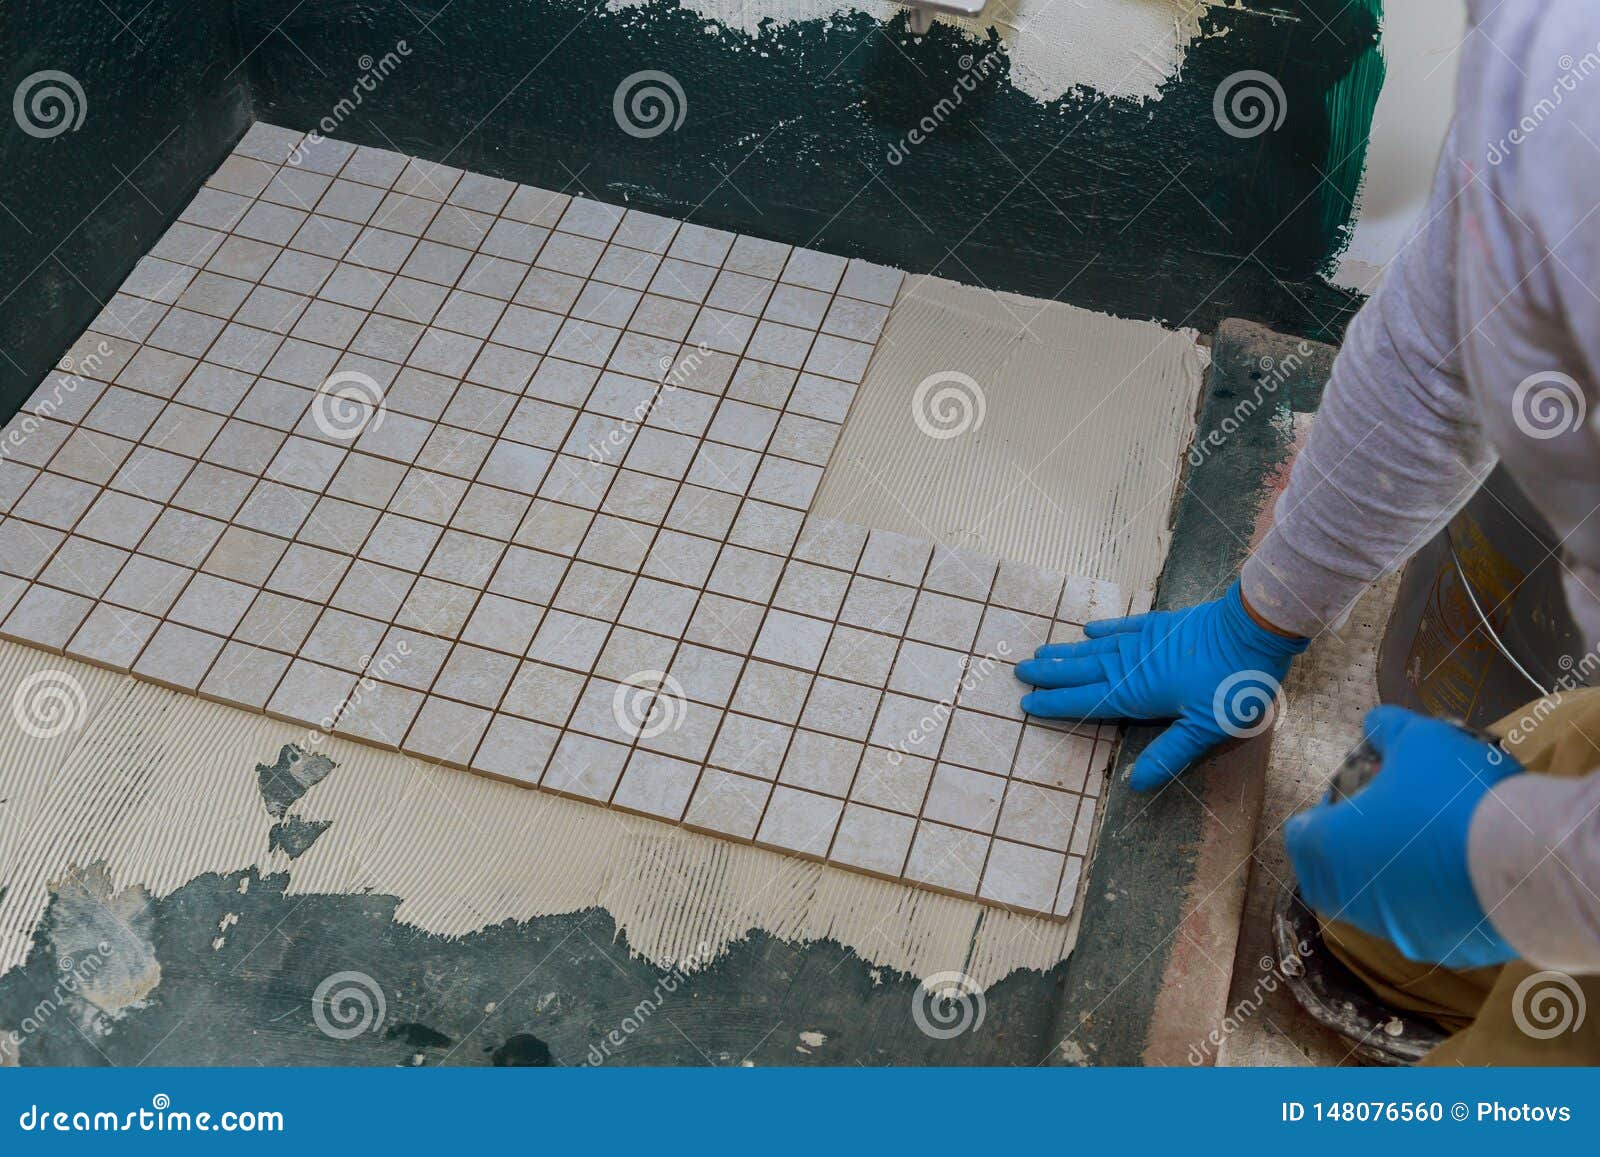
x=1211 y=667
x=1392 y=859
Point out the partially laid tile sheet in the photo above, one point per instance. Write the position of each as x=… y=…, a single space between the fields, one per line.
x=517 y=481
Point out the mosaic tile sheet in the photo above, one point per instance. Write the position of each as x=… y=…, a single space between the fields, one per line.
x=516 y=481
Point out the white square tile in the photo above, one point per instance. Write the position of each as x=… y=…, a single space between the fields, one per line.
x=814 y=270
x=728 y=623
x=1038 y=815
x=656 y=785
x=380 y=713
x=944 y=619
x=446 y=731
x=112 y=637
x=177 y=656
x=796 y=640
x=544 y=693
x=600 y=432
x=516 y=749
x=872 y=840
x=947 y=858
x=309 y=693
x=771 y=692
x=841 y=708
x=536 y=206
x=981 y=741
x=699 y=243
x=821 y=763
x=927 y=672
x=867 y=282
x=47 y=617
x=1021 y=876
x=860 y=656
x=591 y=218
x=585 y=766
x=1030 y=589
x=892 y=780
x=830 y=542
x=798 y=821
x=757 y=257
x=706 y=675
x=877 y=605
x=728 y=804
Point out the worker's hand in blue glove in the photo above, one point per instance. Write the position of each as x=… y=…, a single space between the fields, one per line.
x=1211 y=668
x=1392 y=859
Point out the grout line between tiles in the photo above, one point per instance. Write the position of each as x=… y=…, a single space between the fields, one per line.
x=648 y=533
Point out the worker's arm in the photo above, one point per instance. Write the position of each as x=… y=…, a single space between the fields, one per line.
x=1396 y=447
x=1528 y=335
x=1534 y=842
x=1393 y=859
x=1534 y=852
x=1456 y=855
x=1394 y=452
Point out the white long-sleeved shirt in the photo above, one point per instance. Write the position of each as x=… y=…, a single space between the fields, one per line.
x=1481 y=344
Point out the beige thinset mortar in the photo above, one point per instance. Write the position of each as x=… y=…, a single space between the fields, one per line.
x=1072 y=424
x=160 y=786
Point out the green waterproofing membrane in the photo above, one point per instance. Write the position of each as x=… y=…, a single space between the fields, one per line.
x=1348 y=103
x=114 y=114
x=1145 y=209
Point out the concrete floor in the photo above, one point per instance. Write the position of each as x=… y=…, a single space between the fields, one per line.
x=1328 y=691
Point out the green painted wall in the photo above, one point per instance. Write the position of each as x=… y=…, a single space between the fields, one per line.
x=1141 y=209
x=160 y=110
x=1144 y=209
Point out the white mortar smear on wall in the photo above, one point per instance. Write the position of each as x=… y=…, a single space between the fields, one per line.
x=1125 y=48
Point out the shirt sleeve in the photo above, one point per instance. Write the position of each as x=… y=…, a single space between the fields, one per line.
x=1534 y=853
x=1395 y=449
